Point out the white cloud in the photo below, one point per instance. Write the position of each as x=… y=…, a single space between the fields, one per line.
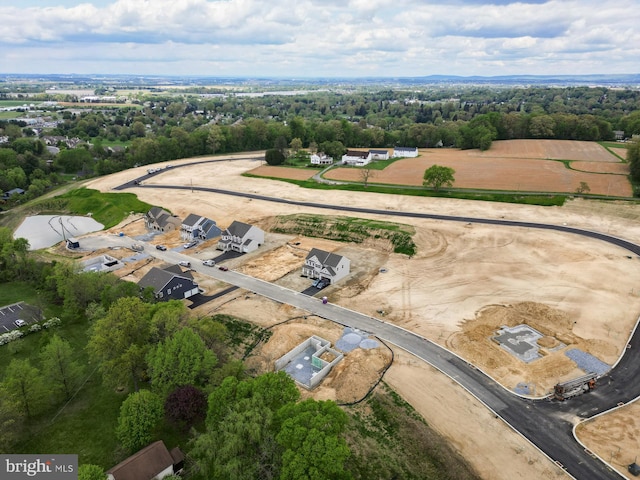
x=286 y=37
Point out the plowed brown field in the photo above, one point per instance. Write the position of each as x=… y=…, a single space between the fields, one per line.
x=511 y=165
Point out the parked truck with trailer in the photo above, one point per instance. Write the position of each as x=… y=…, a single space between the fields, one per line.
x=575 y=387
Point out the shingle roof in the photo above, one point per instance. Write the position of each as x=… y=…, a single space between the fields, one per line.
x=159 y=277
x=191 y=220
x=145 y=464
x=238 y=229
x=327 y=259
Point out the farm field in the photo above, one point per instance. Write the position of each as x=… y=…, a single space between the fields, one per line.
x=464 y=283
x=513 y=165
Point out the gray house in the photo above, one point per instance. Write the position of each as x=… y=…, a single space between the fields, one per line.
x=241 y=237
x=170 y=283
x=197 y=227
x=160 y=220
x=326 y=265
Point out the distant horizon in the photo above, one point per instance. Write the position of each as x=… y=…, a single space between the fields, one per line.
x=321 y=39
x=605 y=76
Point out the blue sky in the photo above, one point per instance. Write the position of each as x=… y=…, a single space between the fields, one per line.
x=320 y=38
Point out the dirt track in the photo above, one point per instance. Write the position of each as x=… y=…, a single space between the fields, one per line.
x=464 y=282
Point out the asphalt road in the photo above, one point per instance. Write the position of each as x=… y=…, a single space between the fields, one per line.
x=547 y=424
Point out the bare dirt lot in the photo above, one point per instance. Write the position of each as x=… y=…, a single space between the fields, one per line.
x=615 y=437
x=464 y=283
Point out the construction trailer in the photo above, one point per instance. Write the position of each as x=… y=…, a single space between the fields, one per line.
x=575 y=387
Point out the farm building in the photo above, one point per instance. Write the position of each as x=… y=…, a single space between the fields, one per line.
x=409 y=152
x=356 y=157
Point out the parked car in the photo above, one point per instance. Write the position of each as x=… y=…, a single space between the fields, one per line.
x=209 y=263
x=315 y=282
x=223 y=268
x=190 y=244
x=161 y=248
x=19 y=323
x=322 y=283
x=185 y=264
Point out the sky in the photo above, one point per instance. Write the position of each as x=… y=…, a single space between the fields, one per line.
x=320 y=38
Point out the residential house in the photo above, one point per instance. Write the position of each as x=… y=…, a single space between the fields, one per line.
x=170 y=283
x=356 y=157
x=326 y=265
x=198 y=227
x=161 y=220
x=10 y=193
x=619 y=134
x=409 y=152
x=379 y=154
x=321 y=159
x=241 y=237
x=153 y=462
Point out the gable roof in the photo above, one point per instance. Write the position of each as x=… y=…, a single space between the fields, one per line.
x=191 y=220
x=327 y=259
x=379 y=152
x=357 y=153
x=157 y=278
x=144 y=464
x=238 y=229
x=155 y=211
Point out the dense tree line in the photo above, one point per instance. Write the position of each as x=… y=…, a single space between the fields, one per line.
x=164 y=128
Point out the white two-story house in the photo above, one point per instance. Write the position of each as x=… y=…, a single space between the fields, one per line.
x=326 y=265
x=240 y=237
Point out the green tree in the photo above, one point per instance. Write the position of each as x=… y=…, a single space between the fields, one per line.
x=296 y=145
x=182 y=359
x=274 y=157
x=88 y=471
x=633 y=157
x=240 y=428
x=281 y=145
x=436 y=176
x=10 y=420
x=62 y=372
x=120 y=341
x=72 y=161
x=139 y=415
x=24 y=385
x=311 y=435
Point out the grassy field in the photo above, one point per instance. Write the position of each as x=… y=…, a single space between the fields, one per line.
x=17 y=103
x=348 y=229
x=107 y=208
x=9 y=115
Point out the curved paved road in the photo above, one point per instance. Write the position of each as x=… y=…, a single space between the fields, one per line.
x=547 y=424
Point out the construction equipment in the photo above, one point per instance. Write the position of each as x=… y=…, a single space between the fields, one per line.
x=575 y=387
